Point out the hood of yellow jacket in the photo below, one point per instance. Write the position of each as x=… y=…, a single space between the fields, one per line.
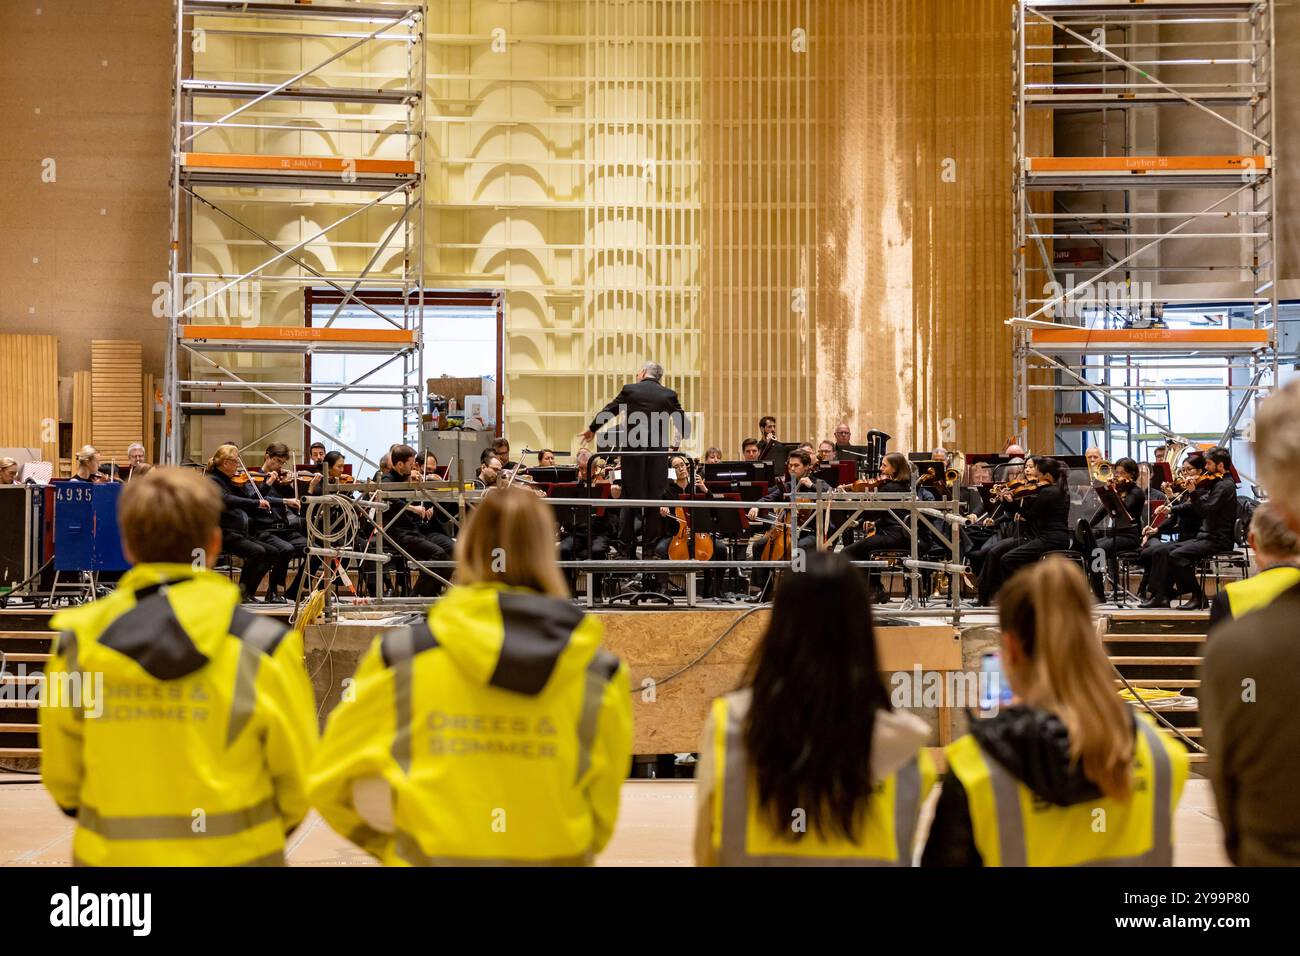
x=166 y=620
x=513 y=638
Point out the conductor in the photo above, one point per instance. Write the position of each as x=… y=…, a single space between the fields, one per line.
x=649 y=414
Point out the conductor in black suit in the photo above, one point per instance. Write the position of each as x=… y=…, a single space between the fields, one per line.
x=649 y=413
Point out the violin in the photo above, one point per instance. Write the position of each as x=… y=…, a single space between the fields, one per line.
x=863 y=484
x=679 y=548
x=244 y=477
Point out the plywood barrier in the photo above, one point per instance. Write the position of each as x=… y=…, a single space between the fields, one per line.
x=116 y=376
x=679 y=661
x=29 y=411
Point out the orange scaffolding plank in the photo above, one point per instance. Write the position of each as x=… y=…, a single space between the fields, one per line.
x=1142 y=164
x=311 y=164
x=292 y=333
x=1083 y=339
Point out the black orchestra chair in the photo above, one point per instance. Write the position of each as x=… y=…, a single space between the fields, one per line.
x=1069 y=554
x=896 y=571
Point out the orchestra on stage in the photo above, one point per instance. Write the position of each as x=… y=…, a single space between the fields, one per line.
x=627 y=495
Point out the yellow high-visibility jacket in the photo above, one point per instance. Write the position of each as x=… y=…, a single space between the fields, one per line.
x=176 y=726
x=740 y=834
x=497 y=733
x=1013 y=827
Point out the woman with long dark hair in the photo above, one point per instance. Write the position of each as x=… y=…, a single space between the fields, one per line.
x=808 y=762
x=1042 y=516
x=891 y=527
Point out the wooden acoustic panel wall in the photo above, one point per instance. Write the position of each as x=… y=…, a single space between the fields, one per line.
x=759 y=174
x=116 y=397
x=82 y=410
x=29 y=410
x=857 y=214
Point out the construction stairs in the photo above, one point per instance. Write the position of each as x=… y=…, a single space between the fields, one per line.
x=25 y=640
x=1162 y=650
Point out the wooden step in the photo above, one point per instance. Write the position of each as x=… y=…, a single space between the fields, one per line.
x=1154 y=638
x=18 y=728
x=1197 y=758
x=1168 y=683
x=27 y=635
x=20 y=751
x=7 y=703
x=1168 y=661
x=17 y=657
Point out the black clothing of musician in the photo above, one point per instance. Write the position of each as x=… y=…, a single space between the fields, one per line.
x=1173 y=564
x=413 y=535
x=891 y=534
x=647 y=414
x=1122 y=534
x=1046 y=517
x=239 y=503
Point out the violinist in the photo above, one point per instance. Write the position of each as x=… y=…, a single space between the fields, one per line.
x=316 y=453
x=546 y=458
x=88 y=467
x=241 y=498
x=891 y=527
x=1212 y=496
x=1121 y=503
x=1041 y=503
x=279 y=528
x=749 y=449
x=8 y=471
x=672 y=521
x=409 y=524
x=825 y=452
x=573 y=522
x=713 y=456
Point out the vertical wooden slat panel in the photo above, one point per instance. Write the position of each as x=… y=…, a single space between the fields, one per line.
x=115 y=384
x=29 y=412
x=82 y=409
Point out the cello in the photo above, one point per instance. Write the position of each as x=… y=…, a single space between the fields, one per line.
x=679 y=548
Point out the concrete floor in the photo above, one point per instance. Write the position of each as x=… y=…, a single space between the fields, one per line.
x=654 y=829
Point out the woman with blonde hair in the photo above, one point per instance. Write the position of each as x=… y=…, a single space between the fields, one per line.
x=1068 y=774
x=87 y=469
x=497 y=730
x=239 y=502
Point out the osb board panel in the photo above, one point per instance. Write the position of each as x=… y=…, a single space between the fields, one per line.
x=117 y=398
x=29 y=410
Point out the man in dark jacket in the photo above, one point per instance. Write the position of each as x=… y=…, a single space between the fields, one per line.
x=649 y=414
x=1250 y=680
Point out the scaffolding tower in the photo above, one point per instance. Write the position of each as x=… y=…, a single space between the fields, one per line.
x=1115 y=212
x=284 y=112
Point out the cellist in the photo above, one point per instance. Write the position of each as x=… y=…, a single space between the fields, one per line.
x=798 y=478
x=672 y=519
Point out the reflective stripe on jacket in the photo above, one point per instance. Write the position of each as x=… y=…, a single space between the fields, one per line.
x=743 y=835
x=1015 y=827
x=175 y=725
x=498 y=733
